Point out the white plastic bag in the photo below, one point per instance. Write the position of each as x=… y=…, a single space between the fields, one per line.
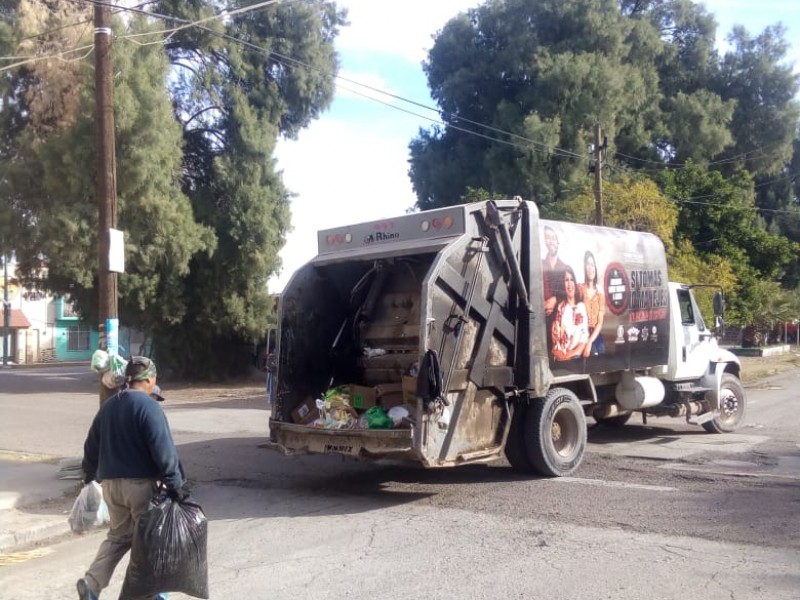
x=89 y=510
x=100 y=361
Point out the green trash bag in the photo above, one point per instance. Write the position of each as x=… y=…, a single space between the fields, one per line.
x=378 y=419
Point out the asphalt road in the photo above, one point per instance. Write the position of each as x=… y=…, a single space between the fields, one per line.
x=659 y=511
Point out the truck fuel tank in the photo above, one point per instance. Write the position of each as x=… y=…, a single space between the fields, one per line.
x=635 y=392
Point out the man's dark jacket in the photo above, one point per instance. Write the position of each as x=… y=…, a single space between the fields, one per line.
x=130 y=438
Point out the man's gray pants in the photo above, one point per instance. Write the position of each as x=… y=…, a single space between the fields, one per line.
x=127 y=499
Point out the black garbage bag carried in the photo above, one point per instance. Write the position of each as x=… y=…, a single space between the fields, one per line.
x=169 y=551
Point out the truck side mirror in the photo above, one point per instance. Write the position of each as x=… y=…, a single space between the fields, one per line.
x=719 y=305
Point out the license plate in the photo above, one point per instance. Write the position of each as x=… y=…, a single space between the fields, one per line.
x=333 y=447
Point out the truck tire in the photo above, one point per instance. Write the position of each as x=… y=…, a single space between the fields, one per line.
x=555 y=429
x=515 y=443
x=732 y=406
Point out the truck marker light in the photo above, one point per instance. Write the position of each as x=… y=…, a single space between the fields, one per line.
x=448 y=222
x=348 y=237
x=329 y=240
x=425 y=226
x=437 y=224
x=339 y=238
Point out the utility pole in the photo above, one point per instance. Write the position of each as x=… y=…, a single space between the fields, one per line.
x=106 y=171
x=598 y=175
x=6 y=310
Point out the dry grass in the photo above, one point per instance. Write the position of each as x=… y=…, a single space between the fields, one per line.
x=758 y=367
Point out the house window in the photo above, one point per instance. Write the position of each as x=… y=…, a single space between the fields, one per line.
x=68 y=310
x=78 y=338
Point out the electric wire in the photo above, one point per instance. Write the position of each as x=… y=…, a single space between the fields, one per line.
x=437 y=121
x=444 y=118
x=171 y=32
x=447 y=119
x=57 y=55
x=116 y=10
x=189 y=24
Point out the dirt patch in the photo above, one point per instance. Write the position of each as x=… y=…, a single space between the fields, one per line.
x=204 y=392
x=755 y=368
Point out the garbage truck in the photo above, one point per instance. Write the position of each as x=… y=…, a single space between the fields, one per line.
x=484 y=330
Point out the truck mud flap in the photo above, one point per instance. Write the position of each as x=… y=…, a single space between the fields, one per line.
x=291 y=438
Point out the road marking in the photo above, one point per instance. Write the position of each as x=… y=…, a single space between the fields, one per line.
x=614 y=484
x=20 y=557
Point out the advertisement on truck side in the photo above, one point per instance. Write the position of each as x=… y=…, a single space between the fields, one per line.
x=606 y=298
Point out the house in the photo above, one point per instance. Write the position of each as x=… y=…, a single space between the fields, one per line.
x=44 y=328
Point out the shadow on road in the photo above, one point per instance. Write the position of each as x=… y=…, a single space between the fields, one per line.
x=318 y=484
x=606 y=434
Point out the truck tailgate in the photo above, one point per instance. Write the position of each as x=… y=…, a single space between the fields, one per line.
x=291 y=438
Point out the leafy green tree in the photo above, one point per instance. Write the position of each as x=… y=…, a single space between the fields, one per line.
x=57 y=190
x=237 y=87
x=778 y=200
x=203 y=207
x=718 y=216
x=632 y=204
x=687 y=265
x=544 y=72
x=773 y=306
x=532 y=79
x=758 y=76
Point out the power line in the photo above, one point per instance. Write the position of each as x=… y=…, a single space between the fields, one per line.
x=116 y=10
x=444 y=118
x=759 y=153
x=57 y=55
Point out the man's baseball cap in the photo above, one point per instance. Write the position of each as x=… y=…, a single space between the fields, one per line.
x=156 y=394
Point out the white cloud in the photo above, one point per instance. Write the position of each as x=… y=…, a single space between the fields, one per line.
x=342 y=173
x=755 y=16
x=354 y=168
x=403 y=29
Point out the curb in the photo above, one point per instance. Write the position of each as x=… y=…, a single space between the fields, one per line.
x=27 y=530
x=46 y=365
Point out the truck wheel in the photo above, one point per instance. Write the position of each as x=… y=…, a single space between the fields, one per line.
x=555 y=429
x=515 y=443
x=732 y=406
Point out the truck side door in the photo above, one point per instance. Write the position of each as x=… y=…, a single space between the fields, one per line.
x=692 y=342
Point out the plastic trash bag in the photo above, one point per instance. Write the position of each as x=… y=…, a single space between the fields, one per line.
x=100 y=361
x=378 y=419
x=169 y=551
x=400 y=415
x=115 y=376
x=111 y=366
x=89 y=510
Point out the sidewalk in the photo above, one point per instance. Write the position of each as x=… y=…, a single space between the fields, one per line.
x=34 y=501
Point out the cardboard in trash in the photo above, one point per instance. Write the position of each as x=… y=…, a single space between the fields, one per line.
x=306 y=412
x=362 y=397
x=409 y=390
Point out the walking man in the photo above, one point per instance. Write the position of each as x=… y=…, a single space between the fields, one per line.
x=130 y=449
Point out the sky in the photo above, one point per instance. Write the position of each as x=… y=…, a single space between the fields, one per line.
x=351 y=165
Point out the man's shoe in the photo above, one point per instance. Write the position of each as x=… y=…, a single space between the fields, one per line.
x=84 y=591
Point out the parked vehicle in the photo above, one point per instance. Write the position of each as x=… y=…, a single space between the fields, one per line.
x=480 y=320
